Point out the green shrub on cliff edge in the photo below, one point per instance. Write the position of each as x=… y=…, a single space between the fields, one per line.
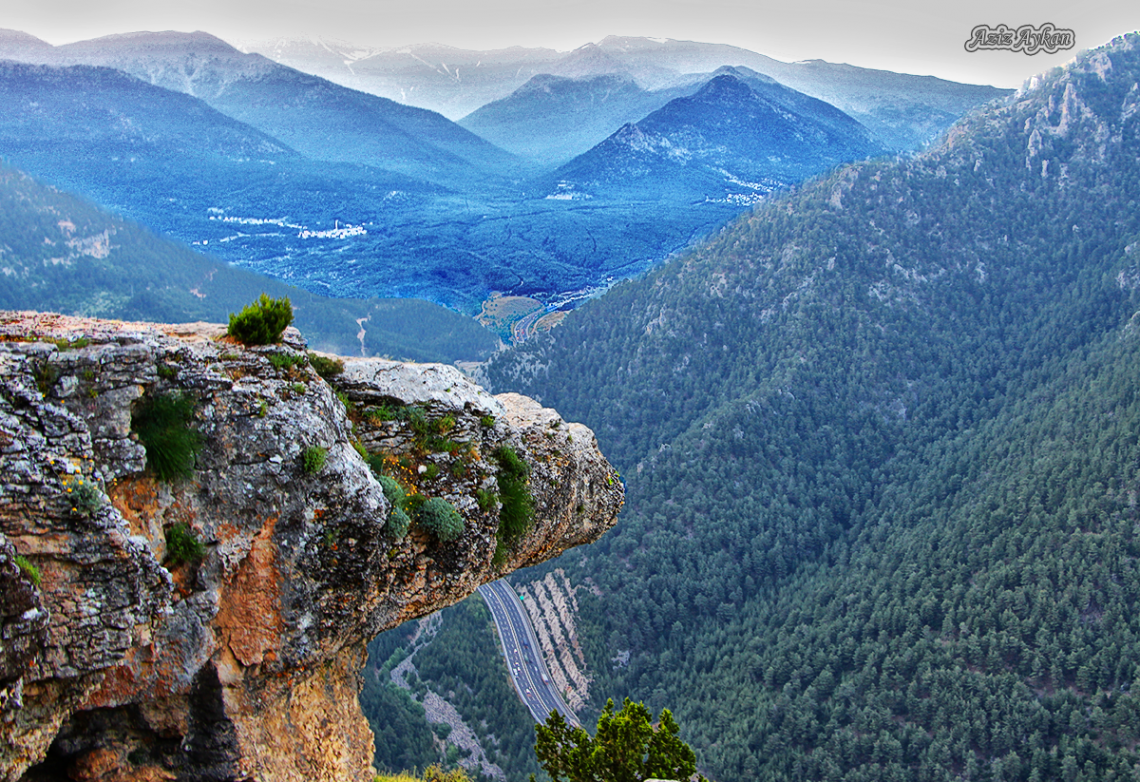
x=326 y=367
x=163 y=425
x=86 y=499
x=262 y=322
x=314 y=459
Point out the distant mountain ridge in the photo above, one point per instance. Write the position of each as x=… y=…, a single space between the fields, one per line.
x=123 y=128
x=452 y=81
x=904 y=111
x=16 y=44
x=551 y=119
x=346 y=193
x=301 y=110
x=182 y=168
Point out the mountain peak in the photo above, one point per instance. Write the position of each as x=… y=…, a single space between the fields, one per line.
x=146 y=42
x=736 y=134
x=20 y=38
x=546 y=82
x=589 y=60
x=724 y=84
x=18 y=45
x=744 y=74
x=632 y=42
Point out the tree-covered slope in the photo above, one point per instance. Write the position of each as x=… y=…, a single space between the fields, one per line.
x=881 y=440
x=59 y=253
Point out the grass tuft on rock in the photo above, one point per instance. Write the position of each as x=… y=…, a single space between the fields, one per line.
x=30 y=571
x=314 y=459
x=163 y=426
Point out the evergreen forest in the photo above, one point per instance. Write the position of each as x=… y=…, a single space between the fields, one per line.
x=881 y=439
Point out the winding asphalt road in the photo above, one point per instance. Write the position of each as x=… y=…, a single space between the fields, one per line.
x=520 y=648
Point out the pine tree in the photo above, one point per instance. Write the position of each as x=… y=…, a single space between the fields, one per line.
x=627 y=747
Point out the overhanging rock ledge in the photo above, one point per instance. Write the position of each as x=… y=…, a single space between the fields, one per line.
x=120 y=659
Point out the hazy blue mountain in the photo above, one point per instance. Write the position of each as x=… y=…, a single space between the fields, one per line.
x=552 y=119
x=323 y=120
x=591 y=60
x=16 y=45
x=904 y=111
x=740 y=136
x=121 y=127
x=59 y=253
x=129 y=143
x=452 y=81
x=880 y=445
x=185 y=170
x=274 y=198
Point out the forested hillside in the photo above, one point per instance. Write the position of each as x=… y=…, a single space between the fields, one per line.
x=881 y=438
x=59 y=253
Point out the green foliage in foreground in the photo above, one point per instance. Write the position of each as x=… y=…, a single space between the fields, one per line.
x=398 y=519
x=286 y=361
x=261 y=322
x=627 y=747
x=86 y=497
x=163 y=424
x=518 y=504
x=393 y=492
x=326 y=367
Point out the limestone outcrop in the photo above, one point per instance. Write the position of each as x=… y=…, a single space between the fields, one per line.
x=212 y=625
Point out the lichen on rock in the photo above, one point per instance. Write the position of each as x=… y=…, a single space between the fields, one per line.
x=240 y=661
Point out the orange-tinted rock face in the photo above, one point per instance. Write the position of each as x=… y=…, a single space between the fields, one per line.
x=249 y=615
x=240 y=659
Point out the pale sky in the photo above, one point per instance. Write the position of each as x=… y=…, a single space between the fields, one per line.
x=898 y=35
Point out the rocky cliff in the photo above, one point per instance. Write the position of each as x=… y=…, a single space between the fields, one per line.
x=195 y=604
